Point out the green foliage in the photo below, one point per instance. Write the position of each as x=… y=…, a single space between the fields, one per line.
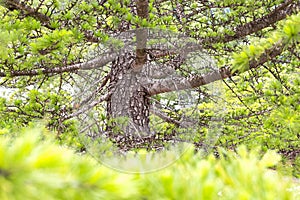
x=32 y=167
x=262 y=104
x=288 y=33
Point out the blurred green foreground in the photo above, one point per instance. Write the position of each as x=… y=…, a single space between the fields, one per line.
x=33 y=167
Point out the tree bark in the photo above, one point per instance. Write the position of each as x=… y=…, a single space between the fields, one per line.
x=128 y=106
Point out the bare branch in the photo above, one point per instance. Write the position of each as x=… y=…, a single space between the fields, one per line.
x=87 y=107
x=163 y=116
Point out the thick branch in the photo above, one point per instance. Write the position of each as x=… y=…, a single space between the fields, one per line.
x=281 y=12
x=17 y=5
x=44 y=19
x=179 y=83
x=92 y=64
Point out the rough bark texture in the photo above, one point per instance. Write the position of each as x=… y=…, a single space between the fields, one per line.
x=128 y=105
x=141 y=35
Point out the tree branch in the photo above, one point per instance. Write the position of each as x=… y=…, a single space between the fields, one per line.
x=87 y=107
x=179 y=83
x=44 y=19
x=163 y=116
x=17 y=5
x=281 y=12
x=92 y=64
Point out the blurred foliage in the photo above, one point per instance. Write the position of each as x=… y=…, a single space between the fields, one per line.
x=32 y=167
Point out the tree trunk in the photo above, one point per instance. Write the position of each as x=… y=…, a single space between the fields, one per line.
x=128 y=106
